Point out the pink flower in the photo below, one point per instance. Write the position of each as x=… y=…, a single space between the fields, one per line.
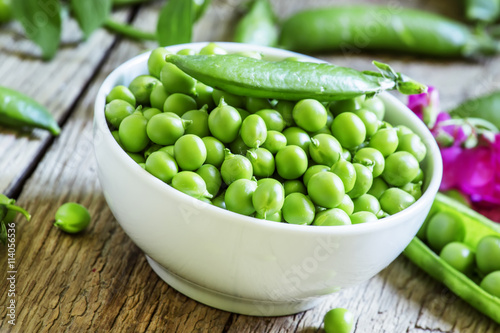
x=474 y=171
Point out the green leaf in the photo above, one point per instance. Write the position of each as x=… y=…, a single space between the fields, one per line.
x=175 y=23
x=41 y=20
x=90 y=14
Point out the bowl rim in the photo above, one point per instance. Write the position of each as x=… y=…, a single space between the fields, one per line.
x=100 y=126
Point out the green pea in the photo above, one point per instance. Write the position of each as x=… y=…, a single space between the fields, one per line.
x=326 y=189
x=72 y=217
x=415 y=189
x=443 y=228
x=378 y=187
x=219 y=201
x=238 y=197
x=132 y=132
x=231 y=99
x=491 y=283
x=413 y=144
x=254 y=104
x=400 y=168
x=298 y=209
x=330 y=217
x=273 y=119
x=372 y=158
x=215 y=151
x=459 y=256
x=199 y=122
x=312 y=170
x=402 y=130
x=338 y=320
x=238 y=146
x=156 y=61
x=269 y=197
x=121 y=93
x=211 y=176
x=346 y=105
x=212 y=48
x=346 y=154
x=276 y=217
x=166 y=128
x=394 y=200
x=235 y=167
x=309 y=114
x=158 y=96
x=142 y=86
x=385 y=140
x=138 y=158
x=190 y=183
x=488 y=254
x=150 y=112
x=363 y=217
x=294 y=185
x=162 y=165
x=370 y=120
x=368 y=203
x=291 y=162
x=169 y=150
x=253 y=131
x=349 y=129
x=363 y=181
x=375 y=105
x=262 y=160
x=298 y=137
x=347 y=173
x=190 y=152
x=204 y=96
x=117 y=110
x=186 y=52
x=274 y=141
x=175 y=80
x=285 y=108
x=179 y=104
x=224 y=122
x=325 y=149
x=151 y=149
x=419 y=177
x=346 y=204
x=116 y=136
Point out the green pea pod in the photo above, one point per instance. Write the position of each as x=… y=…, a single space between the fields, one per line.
x=353 y=29
x=8 y=211
x=20 y=111
x=285 y=79
x=258 y=26
x=477 y=227
x=482 y=10
x=486 y=107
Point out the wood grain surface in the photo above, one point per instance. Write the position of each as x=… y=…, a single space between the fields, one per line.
x=99 y=281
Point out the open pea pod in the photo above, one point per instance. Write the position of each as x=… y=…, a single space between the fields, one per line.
x=476 y=227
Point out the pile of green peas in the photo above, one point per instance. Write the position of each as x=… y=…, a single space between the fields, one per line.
x=300 y=162
x=445 y=233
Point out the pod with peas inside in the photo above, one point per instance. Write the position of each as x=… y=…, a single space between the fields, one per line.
x=304 y=182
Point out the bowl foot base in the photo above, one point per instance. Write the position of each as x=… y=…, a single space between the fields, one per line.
x=230 y=303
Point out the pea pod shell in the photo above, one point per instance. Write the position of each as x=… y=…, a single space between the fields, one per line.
x=477 y=226
x=18 y=110
x=353 y=29
x=285 y=79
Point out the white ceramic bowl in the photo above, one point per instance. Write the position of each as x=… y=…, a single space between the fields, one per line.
x=239 y=263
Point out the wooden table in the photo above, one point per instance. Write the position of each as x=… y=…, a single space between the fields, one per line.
x=99 y=281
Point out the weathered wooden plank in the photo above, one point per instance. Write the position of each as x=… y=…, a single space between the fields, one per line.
x=56 y=84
